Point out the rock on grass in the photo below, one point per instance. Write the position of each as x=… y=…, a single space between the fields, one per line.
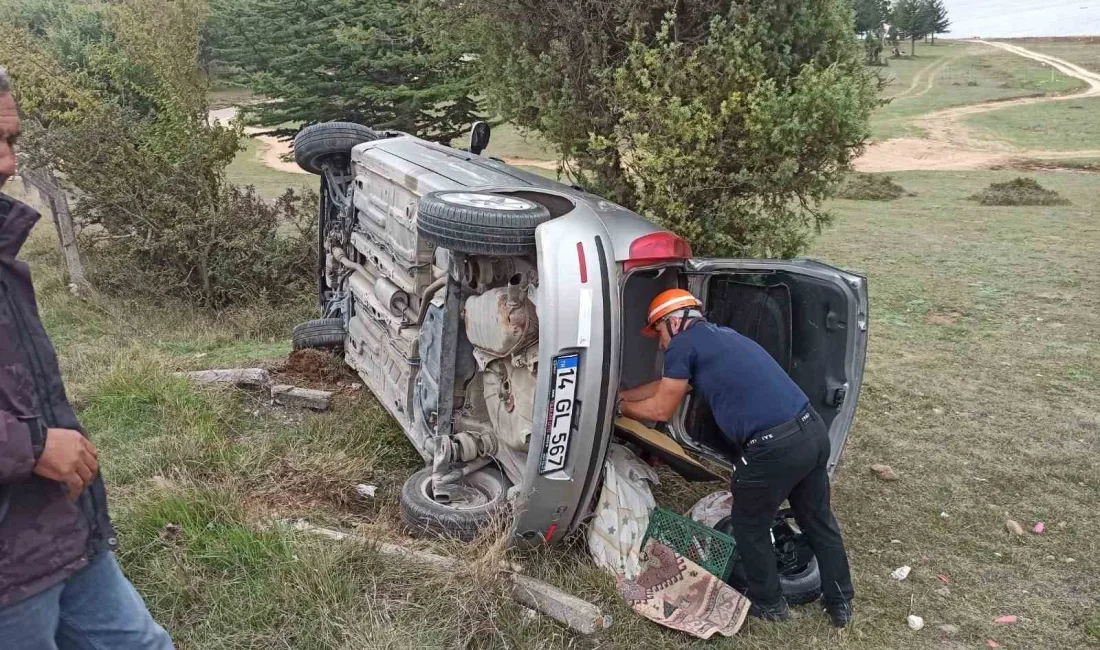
x=884 y=472
x=1019 y=191
x=1013 y=527
x=869 y=187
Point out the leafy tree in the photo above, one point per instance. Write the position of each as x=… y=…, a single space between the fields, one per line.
x=940 y=22
x=726 y=122
x=365 y=62
x=122 y=117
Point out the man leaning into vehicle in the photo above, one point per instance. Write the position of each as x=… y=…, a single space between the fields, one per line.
x=779 y=444
x=60 y=586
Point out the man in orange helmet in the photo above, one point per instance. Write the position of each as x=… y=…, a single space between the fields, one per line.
x=779 y=443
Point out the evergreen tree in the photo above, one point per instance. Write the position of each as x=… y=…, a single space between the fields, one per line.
x=870 y=15
x=940 y=22
x=913 y=20
x=870 y=23
x=366 y=62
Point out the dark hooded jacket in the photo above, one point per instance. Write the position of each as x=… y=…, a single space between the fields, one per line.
x=44 y=537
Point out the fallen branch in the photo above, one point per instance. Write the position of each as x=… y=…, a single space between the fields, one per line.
x=565 y=608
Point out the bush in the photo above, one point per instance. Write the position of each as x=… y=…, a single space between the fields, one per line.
x=244 y=250
x=726 y=122
x=123 y=119
x=870 y=187
x=1020 y=191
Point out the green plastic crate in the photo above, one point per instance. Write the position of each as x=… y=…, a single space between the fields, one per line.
x=707 y=547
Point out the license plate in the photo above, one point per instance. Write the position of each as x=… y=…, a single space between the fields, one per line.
x=559 y=419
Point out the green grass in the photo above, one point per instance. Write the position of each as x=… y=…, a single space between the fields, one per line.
x=982 y=389
x=248 y=169
x=226 y=96
x=1070 y=125
x=963 y=73
x=1083 y=51
x=508 y=141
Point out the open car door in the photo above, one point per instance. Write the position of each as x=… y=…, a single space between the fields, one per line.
x=812 y=319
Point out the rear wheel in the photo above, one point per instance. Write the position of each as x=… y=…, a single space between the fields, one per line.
x=480 y=223
x=329 y=140
x=463 y=520
x=322 y=333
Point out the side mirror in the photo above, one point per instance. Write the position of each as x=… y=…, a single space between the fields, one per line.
x=479 y=137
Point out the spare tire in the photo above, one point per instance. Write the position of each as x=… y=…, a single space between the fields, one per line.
x=318 y=141
x=324 y=333
x=800 y=584
x=480 y=223
x=426 y=516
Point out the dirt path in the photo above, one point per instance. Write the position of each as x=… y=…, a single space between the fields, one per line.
x=930 y=81
x=272 y=152
x=949 y=144
x=931 y=69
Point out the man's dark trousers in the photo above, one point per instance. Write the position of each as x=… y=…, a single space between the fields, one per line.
x=790 y=465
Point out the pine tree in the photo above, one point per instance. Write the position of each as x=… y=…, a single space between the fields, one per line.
x=365 y=62
x=912 y=20
x=870 y=15
x=940 y=22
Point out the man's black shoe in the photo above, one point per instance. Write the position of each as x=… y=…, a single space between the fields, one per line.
x=780 y=612
x=840 y=614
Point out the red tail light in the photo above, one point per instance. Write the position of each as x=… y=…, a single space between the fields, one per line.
x=657 y=247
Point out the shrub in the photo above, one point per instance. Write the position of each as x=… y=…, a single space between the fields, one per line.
x=123 y=120
x=870 y=187
x=1019 y=191
x=726 y=122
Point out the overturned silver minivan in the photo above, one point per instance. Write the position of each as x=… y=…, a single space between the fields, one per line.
x=496 y=313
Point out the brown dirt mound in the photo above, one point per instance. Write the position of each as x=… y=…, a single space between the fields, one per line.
x=315 y=367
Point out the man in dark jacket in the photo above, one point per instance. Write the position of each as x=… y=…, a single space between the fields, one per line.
x=60 y=585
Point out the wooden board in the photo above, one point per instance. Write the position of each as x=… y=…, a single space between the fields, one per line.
x=666 y=449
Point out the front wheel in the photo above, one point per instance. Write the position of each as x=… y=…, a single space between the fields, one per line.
x=463 y=520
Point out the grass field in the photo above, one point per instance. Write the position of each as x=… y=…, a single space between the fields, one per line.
x=955 y=73
x=1070 y=125
x=1084 y=51
x=248 y=169
x=508 y=141
x=981 y=391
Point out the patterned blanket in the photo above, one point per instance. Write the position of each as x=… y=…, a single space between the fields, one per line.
x=675 y=592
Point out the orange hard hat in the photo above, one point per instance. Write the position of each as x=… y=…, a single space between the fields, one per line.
x=666 y=303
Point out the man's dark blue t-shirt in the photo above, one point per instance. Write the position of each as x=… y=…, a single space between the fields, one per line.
x=747 y=391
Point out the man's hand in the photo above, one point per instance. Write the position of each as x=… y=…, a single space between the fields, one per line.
x=660 y=406
x=70 y=458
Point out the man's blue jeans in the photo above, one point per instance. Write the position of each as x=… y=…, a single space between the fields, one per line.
x=95 y=609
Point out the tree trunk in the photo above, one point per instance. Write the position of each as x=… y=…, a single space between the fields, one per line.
x=45 y=181
x=912 y=46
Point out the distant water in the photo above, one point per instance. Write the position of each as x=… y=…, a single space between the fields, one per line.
x=1007 y=18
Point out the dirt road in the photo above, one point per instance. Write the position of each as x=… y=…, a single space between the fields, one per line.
x=949 y=144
